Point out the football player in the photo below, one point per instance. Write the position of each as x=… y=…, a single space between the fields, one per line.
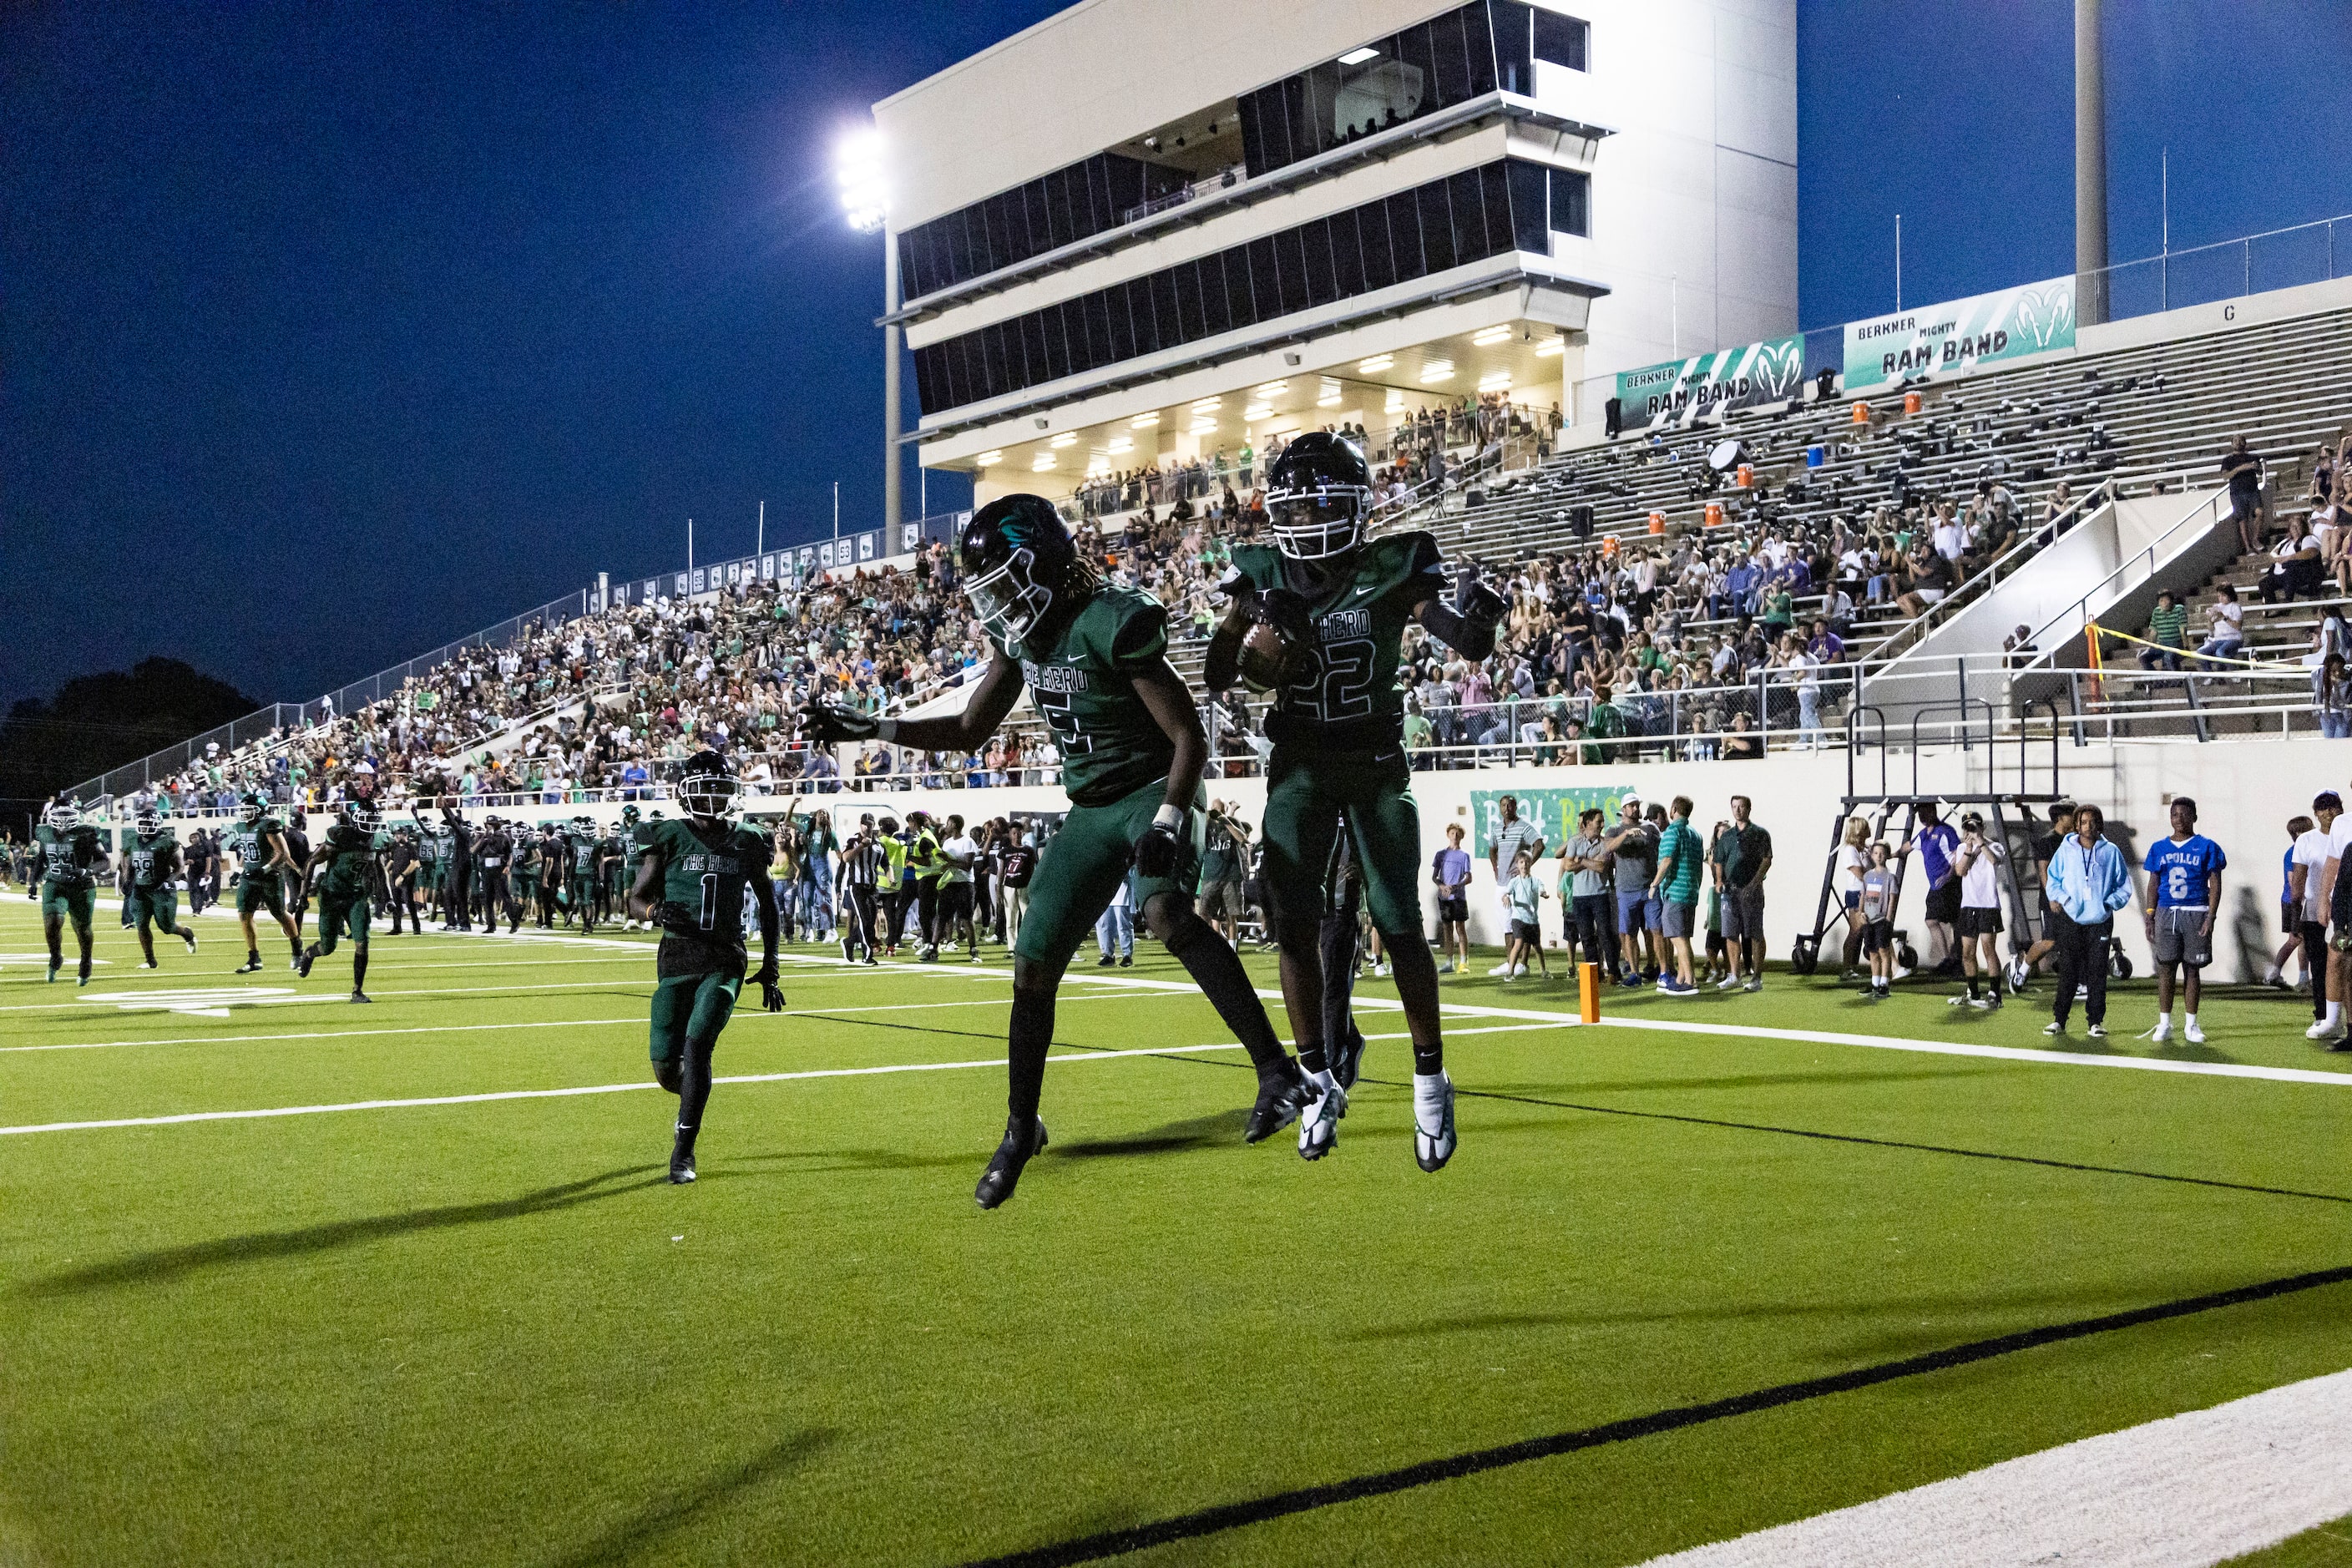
x=581 y=847
x=691 y=881
x=1321 y=618
x=150 y=862
x=1094 y=657
x=612 y=855
x=339 y=870
x=631 y=847
x=70 y=859
x=262 y=862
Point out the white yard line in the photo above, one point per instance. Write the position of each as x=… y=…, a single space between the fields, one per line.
x=2184 y=1492
x=742 y=1015
x=1997 y=1053
x=1067 y=1056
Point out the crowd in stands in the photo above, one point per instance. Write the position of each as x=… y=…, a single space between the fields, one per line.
x=1692 y=644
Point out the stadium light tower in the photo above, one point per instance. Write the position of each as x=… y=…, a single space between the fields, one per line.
x=858 y=170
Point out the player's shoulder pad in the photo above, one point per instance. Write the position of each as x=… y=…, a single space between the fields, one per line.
x=1122 y=626
x=1259 y=563
x=1410 y=553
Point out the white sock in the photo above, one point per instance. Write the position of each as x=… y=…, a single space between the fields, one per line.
x=2335 y=1013
x=2193 y=1020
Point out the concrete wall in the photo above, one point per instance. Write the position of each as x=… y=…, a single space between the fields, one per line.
x=2248 y=789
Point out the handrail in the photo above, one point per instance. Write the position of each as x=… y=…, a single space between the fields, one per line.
x=1977 y=586
x=2150 y=552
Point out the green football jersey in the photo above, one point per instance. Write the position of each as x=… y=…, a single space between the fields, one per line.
x=1084 y=685
x=341 y=863
x=66 y=857
x=153 y=858
x=1347 y=682
x=704 y=872
x=584 y=853
x=251 y=842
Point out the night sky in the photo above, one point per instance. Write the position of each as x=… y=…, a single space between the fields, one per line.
x=329 y=334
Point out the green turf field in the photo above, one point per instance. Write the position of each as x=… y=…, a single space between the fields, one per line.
x=1677 y=1284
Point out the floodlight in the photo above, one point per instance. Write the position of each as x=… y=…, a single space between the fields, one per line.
x=858 y=170
x=1357 y=57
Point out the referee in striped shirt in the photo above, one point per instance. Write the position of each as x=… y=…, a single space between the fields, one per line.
x=861 y=869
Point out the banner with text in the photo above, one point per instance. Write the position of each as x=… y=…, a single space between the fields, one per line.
x=1553 y=811
x=1960 y=336
x=1733 y=379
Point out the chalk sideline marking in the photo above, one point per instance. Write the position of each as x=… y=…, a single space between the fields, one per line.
x=2202 y=1488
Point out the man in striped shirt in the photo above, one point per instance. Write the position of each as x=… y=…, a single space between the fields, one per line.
x=862 y=865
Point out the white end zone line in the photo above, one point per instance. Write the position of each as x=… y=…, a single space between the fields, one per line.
x=1080 y=1055
x=2184 y=1492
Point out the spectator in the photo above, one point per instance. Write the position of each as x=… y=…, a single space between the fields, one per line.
x=1746 y=855
x=2087 y=883
x=2167 y=630
x=2243 y=472
x=1675 y=886
x=1450 y=869
x=1585 y=887
x=2225 y=628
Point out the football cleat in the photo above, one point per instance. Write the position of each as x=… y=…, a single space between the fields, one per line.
x=681 y=1169
x=1279 y=1101
x=1432 y=1121
x=361 y=996
x=1319 y=1123
x=149 y=964
x=1021 y=1145
x=302 y=964
x=1348 y=1060
x=82 y=979
x=252 y=965
x=190 y=938
x=53 y=972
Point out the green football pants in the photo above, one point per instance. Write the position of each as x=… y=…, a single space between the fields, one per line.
x=1080 y=871
x=1307 y=798
x=339 y=918
x=157 y=906
x=69 y=904
x=691 y=1006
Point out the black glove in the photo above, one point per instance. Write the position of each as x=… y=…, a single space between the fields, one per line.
x=772 y=995
x=1474 y=601
x=1155 y=850
x=828 y=724
x=1286 y=611
x=676 y=918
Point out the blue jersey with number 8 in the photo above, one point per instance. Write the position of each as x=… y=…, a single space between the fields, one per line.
x=2179 y=871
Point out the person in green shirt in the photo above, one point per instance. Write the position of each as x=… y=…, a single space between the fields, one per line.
x=2168 y=627
x=1094 y=659
x=1605 y=724
x=1681 y=858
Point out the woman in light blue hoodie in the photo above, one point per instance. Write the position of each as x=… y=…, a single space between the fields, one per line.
x=2087 y=883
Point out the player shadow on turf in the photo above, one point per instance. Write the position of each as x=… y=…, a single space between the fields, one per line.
x=165 y=1265
x=671 y=1513
x=1216 y=1132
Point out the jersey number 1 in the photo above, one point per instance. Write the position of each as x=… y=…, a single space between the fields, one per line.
x=709 y=900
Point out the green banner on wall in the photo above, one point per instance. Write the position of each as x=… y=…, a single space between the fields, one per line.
x=1553 y=811
x=1960 y=336
x=1733 y=379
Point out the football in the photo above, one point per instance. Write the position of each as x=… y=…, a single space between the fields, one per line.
x=1262 y=659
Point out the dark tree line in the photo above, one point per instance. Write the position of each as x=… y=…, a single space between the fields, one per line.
x=94 y=722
